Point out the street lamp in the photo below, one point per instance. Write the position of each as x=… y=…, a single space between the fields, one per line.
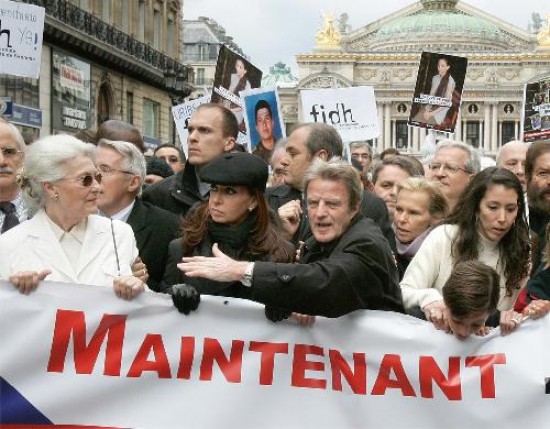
x=177 y=87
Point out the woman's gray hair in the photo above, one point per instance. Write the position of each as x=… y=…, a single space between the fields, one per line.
x=133 y=159
x=45 y=161
x=336 y=169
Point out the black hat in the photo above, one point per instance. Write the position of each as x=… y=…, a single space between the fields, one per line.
x=236 y=168
x=159 y=167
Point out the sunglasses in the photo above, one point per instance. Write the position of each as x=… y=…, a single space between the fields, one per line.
x=86 y=180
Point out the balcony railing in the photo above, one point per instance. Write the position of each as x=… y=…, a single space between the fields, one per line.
x=89 y=24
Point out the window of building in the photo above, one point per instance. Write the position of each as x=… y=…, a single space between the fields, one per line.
x=170 y=35
x=151 y=118
x=105 y=10
x=472 y=133
x=130 y=107
x=508 y=132
x=125 y=15
x=156 y=29
x=199 y=80
x=213 y=52
x=401 y=134
x=141 y=28
x=203 y=52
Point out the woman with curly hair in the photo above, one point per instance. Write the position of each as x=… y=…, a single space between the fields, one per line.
x=488 y=224
x=236 y=218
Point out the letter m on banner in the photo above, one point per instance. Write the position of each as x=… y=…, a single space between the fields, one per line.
x=73 y=324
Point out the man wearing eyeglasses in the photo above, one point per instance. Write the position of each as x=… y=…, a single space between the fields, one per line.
x=12 y=149
x=453 y=165
x=122 y=168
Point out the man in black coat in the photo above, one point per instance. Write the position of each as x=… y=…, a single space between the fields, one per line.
x=347 y=265
x=122 y=168
x=306 y=143
x=212 y=130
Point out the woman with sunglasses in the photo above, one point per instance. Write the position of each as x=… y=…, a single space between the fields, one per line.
x=65 y=241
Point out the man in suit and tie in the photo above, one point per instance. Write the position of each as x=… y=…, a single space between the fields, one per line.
x=122 y=167
x=13 y=209
x=306 y=143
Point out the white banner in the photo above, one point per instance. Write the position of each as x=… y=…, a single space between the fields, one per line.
x=79 y=355
x=351 y=111
x=21 y=28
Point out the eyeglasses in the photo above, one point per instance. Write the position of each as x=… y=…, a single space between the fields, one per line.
x=86 y=180
x=10 y=152
x=447 y=168
x=105 y=170
x=360 y=155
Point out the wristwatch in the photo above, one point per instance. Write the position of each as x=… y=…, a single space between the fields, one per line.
x=246 y=279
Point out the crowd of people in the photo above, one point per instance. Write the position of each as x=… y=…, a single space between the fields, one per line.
x=311 y=234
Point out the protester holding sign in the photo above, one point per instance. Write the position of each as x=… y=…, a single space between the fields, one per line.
x=66 y=241
x=488 y=224
x=347 y=265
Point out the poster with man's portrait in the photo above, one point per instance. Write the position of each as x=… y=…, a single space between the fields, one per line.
x=234 y=74
x=438 y=91
x=536 y=110
x=263 y=119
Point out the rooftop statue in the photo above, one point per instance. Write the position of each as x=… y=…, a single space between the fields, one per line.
x=544 y=35
x=328 y=36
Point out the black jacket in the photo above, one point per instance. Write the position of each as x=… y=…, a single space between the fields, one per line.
x=372 y=207
x=538 y=222
x=357 y=271
x=154 y=228
x=177 y=193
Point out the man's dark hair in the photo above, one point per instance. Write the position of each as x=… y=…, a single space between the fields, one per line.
x=116 y=130
x=262 y=104
x=322 y=137
x=401 y=161
x=230 y=125
x=170 y=145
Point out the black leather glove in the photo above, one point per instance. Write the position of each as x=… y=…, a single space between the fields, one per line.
x=276 y=314
x=185 y=298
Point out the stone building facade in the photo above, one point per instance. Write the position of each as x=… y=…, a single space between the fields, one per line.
x=104 y=59
x=385 y=54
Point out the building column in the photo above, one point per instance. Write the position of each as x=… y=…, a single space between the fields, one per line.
x=458 y=127
x=387 y=126
x=494 y=128
x=516 y=130
x=380 y=139
x=486 y=127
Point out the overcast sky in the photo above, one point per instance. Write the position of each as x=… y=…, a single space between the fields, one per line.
x=269 y=31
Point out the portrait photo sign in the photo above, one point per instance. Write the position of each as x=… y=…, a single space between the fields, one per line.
x=438 y=91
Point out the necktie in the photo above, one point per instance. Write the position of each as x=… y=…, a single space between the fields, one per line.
x=10 y=220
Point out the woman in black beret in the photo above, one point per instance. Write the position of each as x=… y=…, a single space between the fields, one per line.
x=237 y=218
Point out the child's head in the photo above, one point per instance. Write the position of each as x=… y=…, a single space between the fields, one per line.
x=471 y=294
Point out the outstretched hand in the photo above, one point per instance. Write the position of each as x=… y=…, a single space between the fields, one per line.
x=220 y=267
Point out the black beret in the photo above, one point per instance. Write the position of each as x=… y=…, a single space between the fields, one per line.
x=236 y=168
x=159 y=167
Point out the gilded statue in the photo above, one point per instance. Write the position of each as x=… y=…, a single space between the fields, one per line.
x=544 y=35
x=328 y=35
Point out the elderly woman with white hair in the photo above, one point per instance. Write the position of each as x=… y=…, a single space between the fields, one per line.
x=66 y=241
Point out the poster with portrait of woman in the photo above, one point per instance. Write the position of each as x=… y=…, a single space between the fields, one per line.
x=438 y=91
x=264 y=120
x=234 y=74
x=536 y=110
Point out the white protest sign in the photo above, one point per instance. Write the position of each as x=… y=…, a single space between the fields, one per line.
x=182 y=113
x=351 y=111
x=75 y=354
x=21 y=28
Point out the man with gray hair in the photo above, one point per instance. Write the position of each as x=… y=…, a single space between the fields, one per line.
x=345 y=266
x=453 y=165
x=122 y=168
x=13 y=209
